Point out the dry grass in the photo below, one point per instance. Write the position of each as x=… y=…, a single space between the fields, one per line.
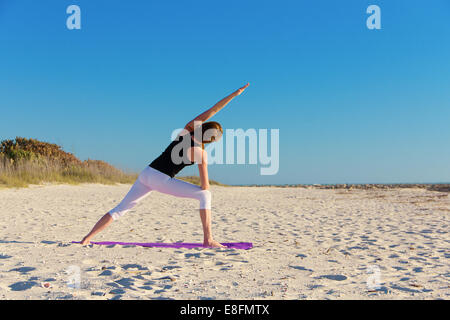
x=21 y=173
x=28 y=161
x=196 y=180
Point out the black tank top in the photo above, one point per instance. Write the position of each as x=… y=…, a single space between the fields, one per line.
x=164 y=162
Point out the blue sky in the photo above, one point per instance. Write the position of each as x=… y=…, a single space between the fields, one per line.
x=353 y=105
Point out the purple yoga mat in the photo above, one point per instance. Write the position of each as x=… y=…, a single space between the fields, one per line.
x=234 y=245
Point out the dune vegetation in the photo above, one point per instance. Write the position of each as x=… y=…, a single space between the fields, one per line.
x=196 y=180
x=29 y=161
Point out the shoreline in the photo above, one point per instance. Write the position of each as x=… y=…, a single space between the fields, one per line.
x=439 y=187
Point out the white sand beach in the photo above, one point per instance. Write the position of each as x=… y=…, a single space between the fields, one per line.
x=308 y=244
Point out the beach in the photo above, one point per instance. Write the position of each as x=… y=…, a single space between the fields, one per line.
x=308 y=243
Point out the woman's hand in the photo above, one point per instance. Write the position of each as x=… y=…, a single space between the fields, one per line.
x=240 y=90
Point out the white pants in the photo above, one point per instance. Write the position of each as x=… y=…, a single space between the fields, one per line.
x=151 y=179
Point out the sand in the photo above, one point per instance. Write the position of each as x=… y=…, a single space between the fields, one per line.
x=308 y=244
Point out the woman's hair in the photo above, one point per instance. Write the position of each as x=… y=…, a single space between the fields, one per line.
x=211 y=131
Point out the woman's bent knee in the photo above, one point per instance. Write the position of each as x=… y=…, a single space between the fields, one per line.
x=205 y=199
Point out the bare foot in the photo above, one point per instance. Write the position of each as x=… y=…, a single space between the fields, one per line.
x=85 y=241
x=212 y=244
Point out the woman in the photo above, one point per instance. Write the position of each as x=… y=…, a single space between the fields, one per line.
x=186 y=149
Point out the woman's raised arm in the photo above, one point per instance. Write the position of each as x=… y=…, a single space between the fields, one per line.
x=214 y=109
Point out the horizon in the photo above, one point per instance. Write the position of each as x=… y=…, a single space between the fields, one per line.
x=345 y=183
x=293 y=184
x=350 y=103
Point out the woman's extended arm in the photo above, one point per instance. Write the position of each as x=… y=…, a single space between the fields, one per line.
x=200 y=156
x=214 y=109
x=203 y=171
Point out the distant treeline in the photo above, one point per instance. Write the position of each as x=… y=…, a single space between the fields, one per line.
x=29 y=161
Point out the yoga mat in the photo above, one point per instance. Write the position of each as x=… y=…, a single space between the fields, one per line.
x=234 y=245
